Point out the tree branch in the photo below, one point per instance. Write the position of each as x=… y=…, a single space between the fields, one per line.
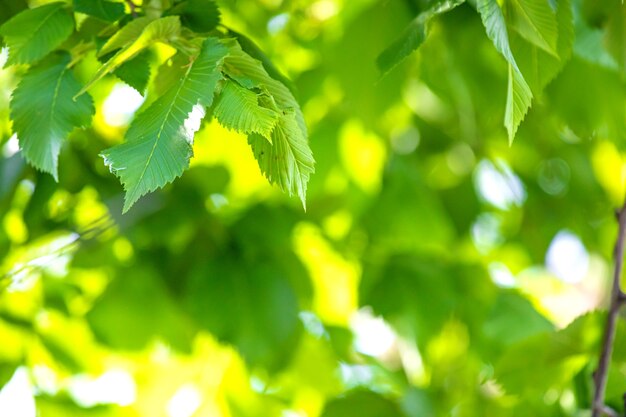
x=617 y=300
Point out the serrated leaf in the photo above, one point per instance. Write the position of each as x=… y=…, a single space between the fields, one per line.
x=249 y=47
x=239 y=109
x=518 y=100
x=540 y=67
x=288 y=160
x=102 y=9
x=44 y=113
x=536 y=22
x=412 y=36
x=158 y=144
x=519 y=96
x=198 y=15
x=160 y=30
x=136 y=72
x=34 y=33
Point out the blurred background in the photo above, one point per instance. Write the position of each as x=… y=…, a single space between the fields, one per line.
x=437 y=271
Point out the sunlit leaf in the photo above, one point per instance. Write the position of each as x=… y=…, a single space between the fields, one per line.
x=240 y=109
x=288 y=160
x=161 y=30
x=158 y=145
x=519 y=96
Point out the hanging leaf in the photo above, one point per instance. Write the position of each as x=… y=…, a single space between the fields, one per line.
x=288 y=160
x=34 y=33
x=44 y=113
x=240 y=109
x=102 y=9
x=412 y=37
x=158 y=145
x=519 y=96
x=161 y=30
x=539 y=66
x=536 y=22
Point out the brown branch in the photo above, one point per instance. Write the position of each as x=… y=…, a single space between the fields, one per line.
x=617 y=300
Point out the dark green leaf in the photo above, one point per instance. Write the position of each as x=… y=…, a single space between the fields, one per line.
x=198 y=15
x=135 y=72
x=102 y=9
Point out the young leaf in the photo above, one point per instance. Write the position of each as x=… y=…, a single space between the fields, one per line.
x=198 y=15
x=412 y=37
x=34 y=33
x=288 y=160
x=519 y=96
x=536 y=22
x=158 y=145
x=239 y=109
x=44 y=113
x=161 y=30
x=102 y=9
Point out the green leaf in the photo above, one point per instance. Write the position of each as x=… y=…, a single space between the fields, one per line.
x=536 y=22
x=518 y=100
x=136 y=72
x=539 y=66
x=412 y=36
x=288 y=160
x=240 y=109
x=248 y=46
x=198 y=15
x=519 y=96
x=102 y=9
x=44 y=113
x=127 y=34
x=158 y=145
x=161 y=30
x=34 y=33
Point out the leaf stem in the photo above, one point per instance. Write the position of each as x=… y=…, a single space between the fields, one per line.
x=618 y=298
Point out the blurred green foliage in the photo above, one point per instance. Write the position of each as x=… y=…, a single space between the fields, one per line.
x=436 y=271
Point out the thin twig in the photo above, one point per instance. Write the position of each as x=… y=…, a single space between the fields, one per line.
x=617 y=300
